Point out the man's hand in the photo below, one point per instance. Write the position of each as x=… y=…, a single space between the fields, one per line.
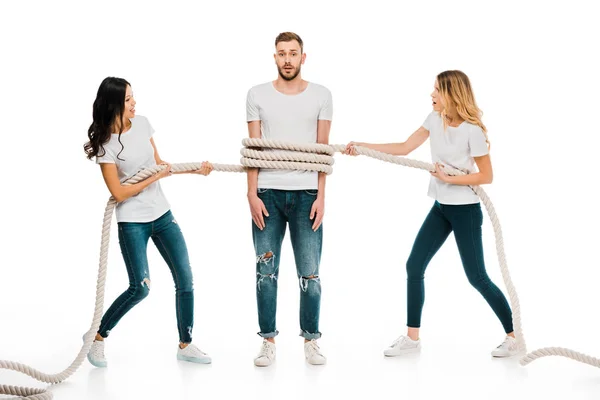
x=317 y=212
x=257 y=209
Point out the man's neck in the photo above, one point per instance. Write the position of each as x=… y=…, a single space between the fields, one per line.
x=295 y=86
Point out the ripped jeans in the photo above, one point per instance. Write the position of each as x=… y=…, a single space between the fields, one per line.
x=167 y=236
x=288 y=207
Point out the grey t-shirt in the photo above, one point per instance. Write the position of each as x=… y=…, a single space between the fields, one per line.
x=456 y=148
x=137 y=154
x=290 y=118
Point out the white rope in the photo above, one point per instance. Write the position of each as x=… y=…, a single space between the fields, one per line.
x=296 y=156
x=560 y=351
x=42 y=394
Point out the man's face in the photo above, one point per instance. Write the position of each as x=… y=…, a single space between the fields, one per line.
x=289 y=59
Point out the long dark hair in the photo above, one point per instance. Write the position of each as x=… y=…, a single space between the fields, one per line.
x=109 y=107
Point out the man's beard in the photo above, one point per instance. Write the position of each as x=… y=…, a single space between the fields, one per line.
x=286 y=77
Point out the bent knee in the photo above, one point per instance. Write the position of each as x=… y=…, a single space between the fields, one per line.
x=142 y=290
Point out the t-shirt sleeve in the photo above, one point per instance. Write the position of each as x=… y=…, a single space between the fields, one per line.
x=477 y=142
x=150 y=128
x=427 y=123
x=252 y=112
x=107 y=158
x=326 y=111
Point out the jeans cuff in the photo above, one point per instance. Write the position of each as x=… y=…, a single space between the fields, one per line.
x=268 y=335
x=310 y=336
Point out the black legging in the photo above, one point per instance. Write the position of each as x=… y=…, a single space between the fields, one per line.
x=465 y=221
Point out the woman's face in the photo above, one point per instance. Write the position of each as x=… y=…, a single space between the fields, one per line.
x=129 y=111
x=436 y=99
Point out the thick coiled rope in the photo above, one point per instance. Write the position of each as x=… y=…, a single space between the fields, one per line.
x=280 y=155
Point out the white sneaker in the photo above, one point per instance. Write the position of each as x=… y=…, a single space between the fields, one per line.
x=402 y=345
x=313 y=354
x=96 y=354
x=193 y=354
x=508 y=348
x=266 y=356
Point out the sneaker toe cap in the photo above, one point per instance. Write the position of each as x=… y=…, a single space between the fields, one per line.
x=262 y=362
x=317 y=360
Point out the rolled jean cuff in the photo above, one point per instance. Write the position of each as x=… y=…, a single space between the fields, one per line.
x=268 y=335
x=310 y=336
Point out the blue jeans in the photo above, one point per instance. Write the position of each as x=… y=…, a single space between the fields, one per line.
x=288 y=207
x=465 y=221
x=167 y=236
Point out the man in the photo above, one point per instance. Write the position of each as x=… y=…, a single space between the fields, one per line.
x=293 y=110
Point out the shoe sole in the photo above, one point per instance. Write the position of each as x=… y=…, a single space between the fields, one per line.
x=97 y=364
x=504 y=355
x=317 y=363
x=194 y=359
x=262 y=365
x=403 y=352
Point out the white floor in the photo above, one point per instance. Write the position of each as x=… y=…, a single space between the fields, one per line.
x=356 y=367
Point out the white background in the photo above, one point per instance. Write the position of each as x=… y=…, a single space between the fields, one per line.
x=534 y=69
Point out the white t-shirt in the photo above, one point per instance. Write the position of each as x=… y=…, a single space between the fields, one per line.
x=290 y=118
x=137 y=154
x=456 y=148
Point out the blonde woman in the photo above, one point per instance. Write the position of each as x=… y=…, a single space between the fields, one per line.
x=458 y=139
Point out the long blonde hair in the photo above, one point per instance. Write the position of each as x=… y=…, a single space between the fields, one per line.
x=455 y=90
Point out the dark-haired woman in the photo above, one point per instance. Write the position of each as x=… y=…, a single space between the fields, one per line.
x=122 y=144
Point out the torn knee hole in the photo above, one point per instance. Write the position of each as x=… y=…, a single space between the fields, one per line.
x=265 y=258
x=262 y=277
x=146 y=282
x=305 y=279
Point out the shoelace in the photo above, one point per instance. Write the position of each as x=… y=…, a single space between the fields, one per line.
x=506 y=344
x=398 y=341
x=97 y=351
x=195 y=350
x=313 y=348
x=266 y=350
